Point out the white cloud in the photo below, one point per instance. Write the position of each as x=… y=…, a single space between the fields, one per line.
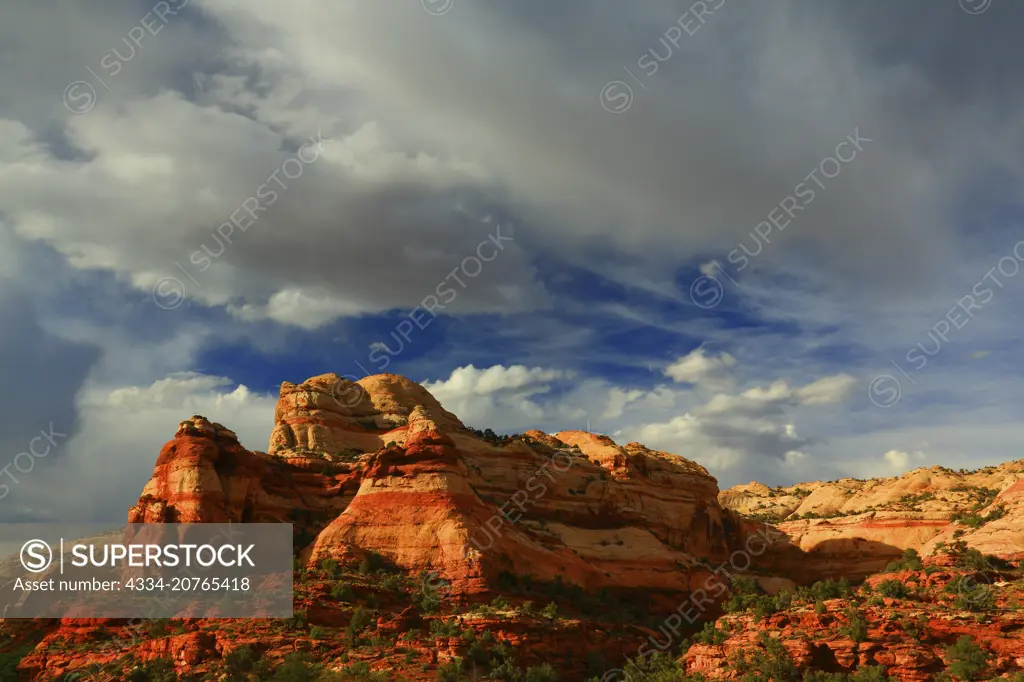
x=496 y=397
x=702 y=369
x=105 y=465
x=827 y=390
x=901 y=460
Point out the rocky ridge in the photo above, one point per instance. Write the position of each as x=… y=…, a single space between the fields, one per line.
x=426 y=549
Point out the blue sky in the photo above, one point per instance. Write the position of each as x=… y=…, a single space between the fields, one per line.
x=730 y=252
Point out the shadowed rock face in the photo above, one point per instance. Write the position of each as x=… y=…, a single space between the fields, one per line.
x=378 y=466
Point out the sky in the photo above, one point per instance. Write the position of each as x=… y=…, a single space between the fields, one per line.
x=780 y=239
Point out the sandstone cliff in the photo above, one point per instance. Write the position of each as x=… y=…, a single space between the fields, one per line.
x=378 y=467
x=853 y=527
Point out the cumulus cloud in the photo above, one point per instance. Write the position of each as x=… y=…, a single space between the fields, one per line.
x=778 y=395
x=108 y=461
x=479 y=396
x=702 y=369
x=750 y=431
x=488 y=119
x=898 y=459
x=396 y=201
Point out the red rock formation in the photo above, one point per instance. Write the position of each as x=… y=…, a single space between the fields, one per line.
x=907 y=636
x=378 y=469
x=856 y=527
x=379 y=466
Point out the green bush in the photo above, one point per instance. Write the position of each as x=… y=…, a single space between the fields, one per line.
x=711 y=635
x=972 y=596
x=967 y=660
x=295 y=668
x=342 y=591
x=450 y=672
x=772 y=664
x=360 y=619
x=240 y=660
x=911 y=561
x=872 y=673
x=541 y=673
x=9 y=664
x=330 y=568
x=893 y=589
x=440 y=628
x=856 y=627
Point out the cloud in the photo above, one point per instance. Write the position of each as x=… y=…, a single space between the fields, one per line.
x=827 y=390
x=106 y=464
x=702 y=369
x=901 y=460
x=778 y=395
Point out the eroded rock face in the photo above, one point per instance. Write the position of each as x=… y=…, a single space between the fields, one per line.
x=854 y=528
x=203 y=475
x=909 y=636
x=378 y=466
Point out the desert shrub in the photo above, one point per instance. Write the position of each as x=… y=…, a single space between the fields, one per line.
x=440 y=628
x=330 y=568
x=9 y=664
x=295 y=668
x=360 y=619
x=360 y=670
x=297 y=621
x=541 y=673
x=972 y=596
x=893 y=589
x=392 y=582
x=872 y=673
x=967 y=660
x=770 y=664
x=450 y=671
x=911 y=561
x=856 y=627
x=240 y=660
x=711 y=635
x=658 y=667
x=824 y=590
x=550 y=611
x=342 y=591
